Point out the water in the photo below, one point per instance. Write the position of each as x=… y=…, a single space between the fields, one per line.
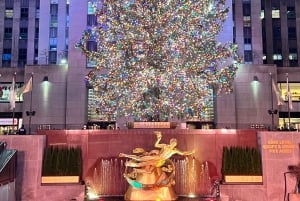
x=105 y=179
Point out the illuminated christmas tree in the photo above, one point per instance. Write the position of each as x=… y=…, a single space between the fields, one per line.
x=157 y=59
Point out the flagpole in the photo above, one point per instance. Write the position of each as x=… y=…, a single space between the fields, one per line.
x=13 y=112
x=288 y=105
x=272 y=112
x=30 y=108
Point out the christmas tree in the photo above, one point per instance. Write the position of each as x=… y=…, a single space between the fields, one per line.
x=157 y=59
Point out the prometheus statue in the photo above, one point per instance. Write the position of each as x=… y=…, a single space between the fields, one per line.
x=151 y=174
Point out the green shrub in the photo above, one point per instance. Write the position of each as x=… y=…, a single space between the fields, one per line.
x=62 y=161
x=241 y=161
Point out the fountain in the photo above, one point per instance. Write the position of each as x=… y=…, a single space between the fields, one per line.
x=147 y=178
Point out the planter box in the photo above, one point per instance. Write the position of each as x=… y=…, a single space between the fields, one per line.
x=60 y=179
x=243 y=179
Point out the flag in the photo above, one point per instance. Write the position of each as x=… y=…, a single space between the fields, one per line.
x=26 y=87
x=289 y=95
x=280 y=100
x=12 y=95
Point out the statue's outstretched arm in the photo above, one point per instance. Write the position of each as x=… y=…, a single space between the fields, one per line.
x=185 y=153
x=158 y=136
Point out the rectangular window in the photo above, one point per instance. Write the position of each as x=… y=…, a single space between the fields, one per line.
x=53 y=9
x=24 y=13
x=22 y=54
x=246 y=9
x=277 y=57
x=92 y=6
x=53 y=32
x=292 y=33
x=92 y=20
x=52 y=57
x=291 y=13
x=247 y=21
x=36 y=33
x=9 y=13
x=37 y=13
x=262 y=14
x=54 y=2
x=92 y=46
x=37 y=3
x=9 y=4
x=8 y=33
x=276 y=32
x=67 y=9
x=53 y=22
x=248 y=47
x=275 y=13
x=53 y=44
x=23 y=33
x=25 y=3
x=248 y=56
x=293 y=56
x=22 y=57
x=91 y=63
x=6 y=55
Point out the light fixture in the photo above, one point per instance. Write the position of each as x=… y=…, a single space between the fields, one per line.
x=255 y=78
x=45 y=79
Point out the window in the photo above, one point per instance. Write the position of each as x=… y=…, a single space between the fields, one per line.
x=292 y=32
x=25 y=3
x=23 y=33
x=247 y=21
x=6 y=55
x=92 y=5
x=53 y=22
x=24 y=13
x=36 y=33
x=91 y=63
x=248 y=56
x=246 y=9
x=22 y=54
x=291 y=13
x=37 y=3
x=8 y=33
x=9 y=13
x=277 y=57
x=262 y=14
x=37 y=13
x=53 y=9
x=247 y=35
x=9 y=4
x=53 y=32
x=247 y=40
x=275 y=13
x=91 y=20
x=293 y=56
x=276 y=32
x=22 y=57
x=53 y=44
x=52 y=57
x=92 y=45
x=67 y=9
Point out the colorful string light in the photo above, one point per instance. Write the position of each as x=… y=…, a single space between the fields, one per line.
x=158 y=59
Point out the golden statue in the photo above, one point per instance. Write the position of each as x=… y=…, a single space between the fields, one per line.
x=151 y=174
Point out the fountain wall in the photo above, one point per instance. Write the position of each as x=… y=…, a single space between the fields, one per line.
x=279 y=149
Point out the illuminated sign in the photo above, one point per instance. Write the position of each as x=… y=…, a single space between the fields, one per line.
x=280 y=146
x=9 y=121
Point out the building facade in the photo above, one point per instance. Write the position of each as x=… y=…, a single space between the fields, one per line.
x=47 y=31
